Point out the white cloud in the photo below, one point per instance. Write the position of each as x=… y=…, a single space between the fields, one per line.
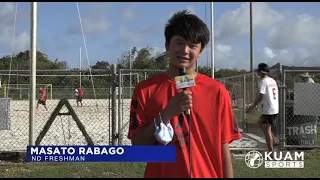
x=269 y=52
x=291 y=39
x=21 y=39
x=227 y=57
x=128 y=13
x=299 y=57
x=300 y=30
x=236 y=23
x=223 y=53
x=224 y=49
x=128 y=35
x=286 y=37
x=133 y=36
x=95 y=23
x=156 y=50
x=21 y=42
x=284 y=30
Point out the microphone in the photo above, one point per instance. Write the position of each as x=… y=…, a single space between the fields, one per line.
x=183 y=81
x=183 y=72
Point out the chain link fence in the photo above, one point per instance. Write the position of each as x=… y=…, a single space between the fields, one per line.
x=243 y=89
x=127 y=80
x=94 y=115
x=300 y=108
x=105 y=113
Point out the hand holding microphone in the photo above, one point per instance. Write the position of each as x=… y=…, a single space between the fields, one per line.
x=188 y=83
x=179 y=103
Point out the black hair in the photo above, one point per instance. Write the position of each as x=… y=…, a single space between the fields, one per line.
x=263 y=68
x=188 y=26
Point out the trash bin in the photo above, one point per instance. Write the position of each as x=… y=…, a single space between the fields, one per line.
x=300 y=129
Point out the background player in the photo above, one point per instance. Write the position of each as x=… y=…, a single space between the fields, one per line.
x=269 y=96
x=42 y=98
x=79 y=95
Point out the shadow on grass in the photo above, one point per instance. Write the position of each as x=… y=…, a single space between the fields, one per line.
x=136 y=170
x=72 y=170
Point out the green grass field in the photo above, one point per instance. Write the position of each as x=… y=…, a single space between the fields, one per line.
x=136 y=170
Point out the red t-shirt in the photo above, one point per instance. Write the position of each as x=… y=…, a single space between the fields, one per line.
x=80 y=91
x=212 y=124
x=43 y=95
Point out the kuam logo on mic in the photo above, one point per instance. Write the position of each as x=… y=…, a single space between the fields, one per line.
x=184 y=81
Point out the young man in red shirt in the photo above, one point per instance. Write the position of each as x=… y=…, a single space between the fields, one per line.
x=212 y=126
x=43 y=98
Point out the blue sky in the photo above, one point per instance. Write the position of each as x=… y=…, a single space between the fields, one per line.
x=288 y=33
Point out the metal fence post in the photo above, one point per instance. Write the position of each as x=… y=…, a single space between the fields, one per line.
x=283 y=109
x=119 y=106
x=279 y=117
x=113 y=104
x=244 y=117
x=110 y=94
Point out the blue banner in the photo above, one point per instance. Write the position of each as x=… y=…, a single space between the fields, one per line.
x=101 y=153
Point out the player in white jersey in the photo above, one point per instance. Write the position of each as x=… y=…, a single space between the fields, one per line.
x=268 y=96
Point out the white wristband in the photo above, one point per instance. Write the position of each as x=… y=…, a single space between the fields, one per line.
x=163 y=133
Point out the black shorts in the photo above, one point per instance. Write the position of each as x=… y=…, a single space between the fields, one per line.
x=42 y=102
x=79 y=98
x=268 y=119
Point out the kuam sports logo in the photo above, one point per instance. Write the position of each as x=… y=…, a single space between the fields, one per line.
x=255 y=159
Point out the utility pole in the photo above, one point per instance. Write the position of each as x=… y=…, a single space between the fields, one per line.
x=251 y=53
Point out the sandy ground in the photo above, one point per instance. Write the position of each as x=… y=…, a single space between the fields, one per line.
x=64 y=131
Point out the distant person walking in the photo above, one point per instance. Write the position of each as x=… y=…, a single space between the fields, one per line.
x=79 y=95
x=269 y=97
x=42 y=98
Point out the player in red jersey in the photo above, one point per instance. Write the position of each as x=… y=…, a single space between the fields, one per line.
x=212 y=125
x=79 y=95
x=42 y=98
